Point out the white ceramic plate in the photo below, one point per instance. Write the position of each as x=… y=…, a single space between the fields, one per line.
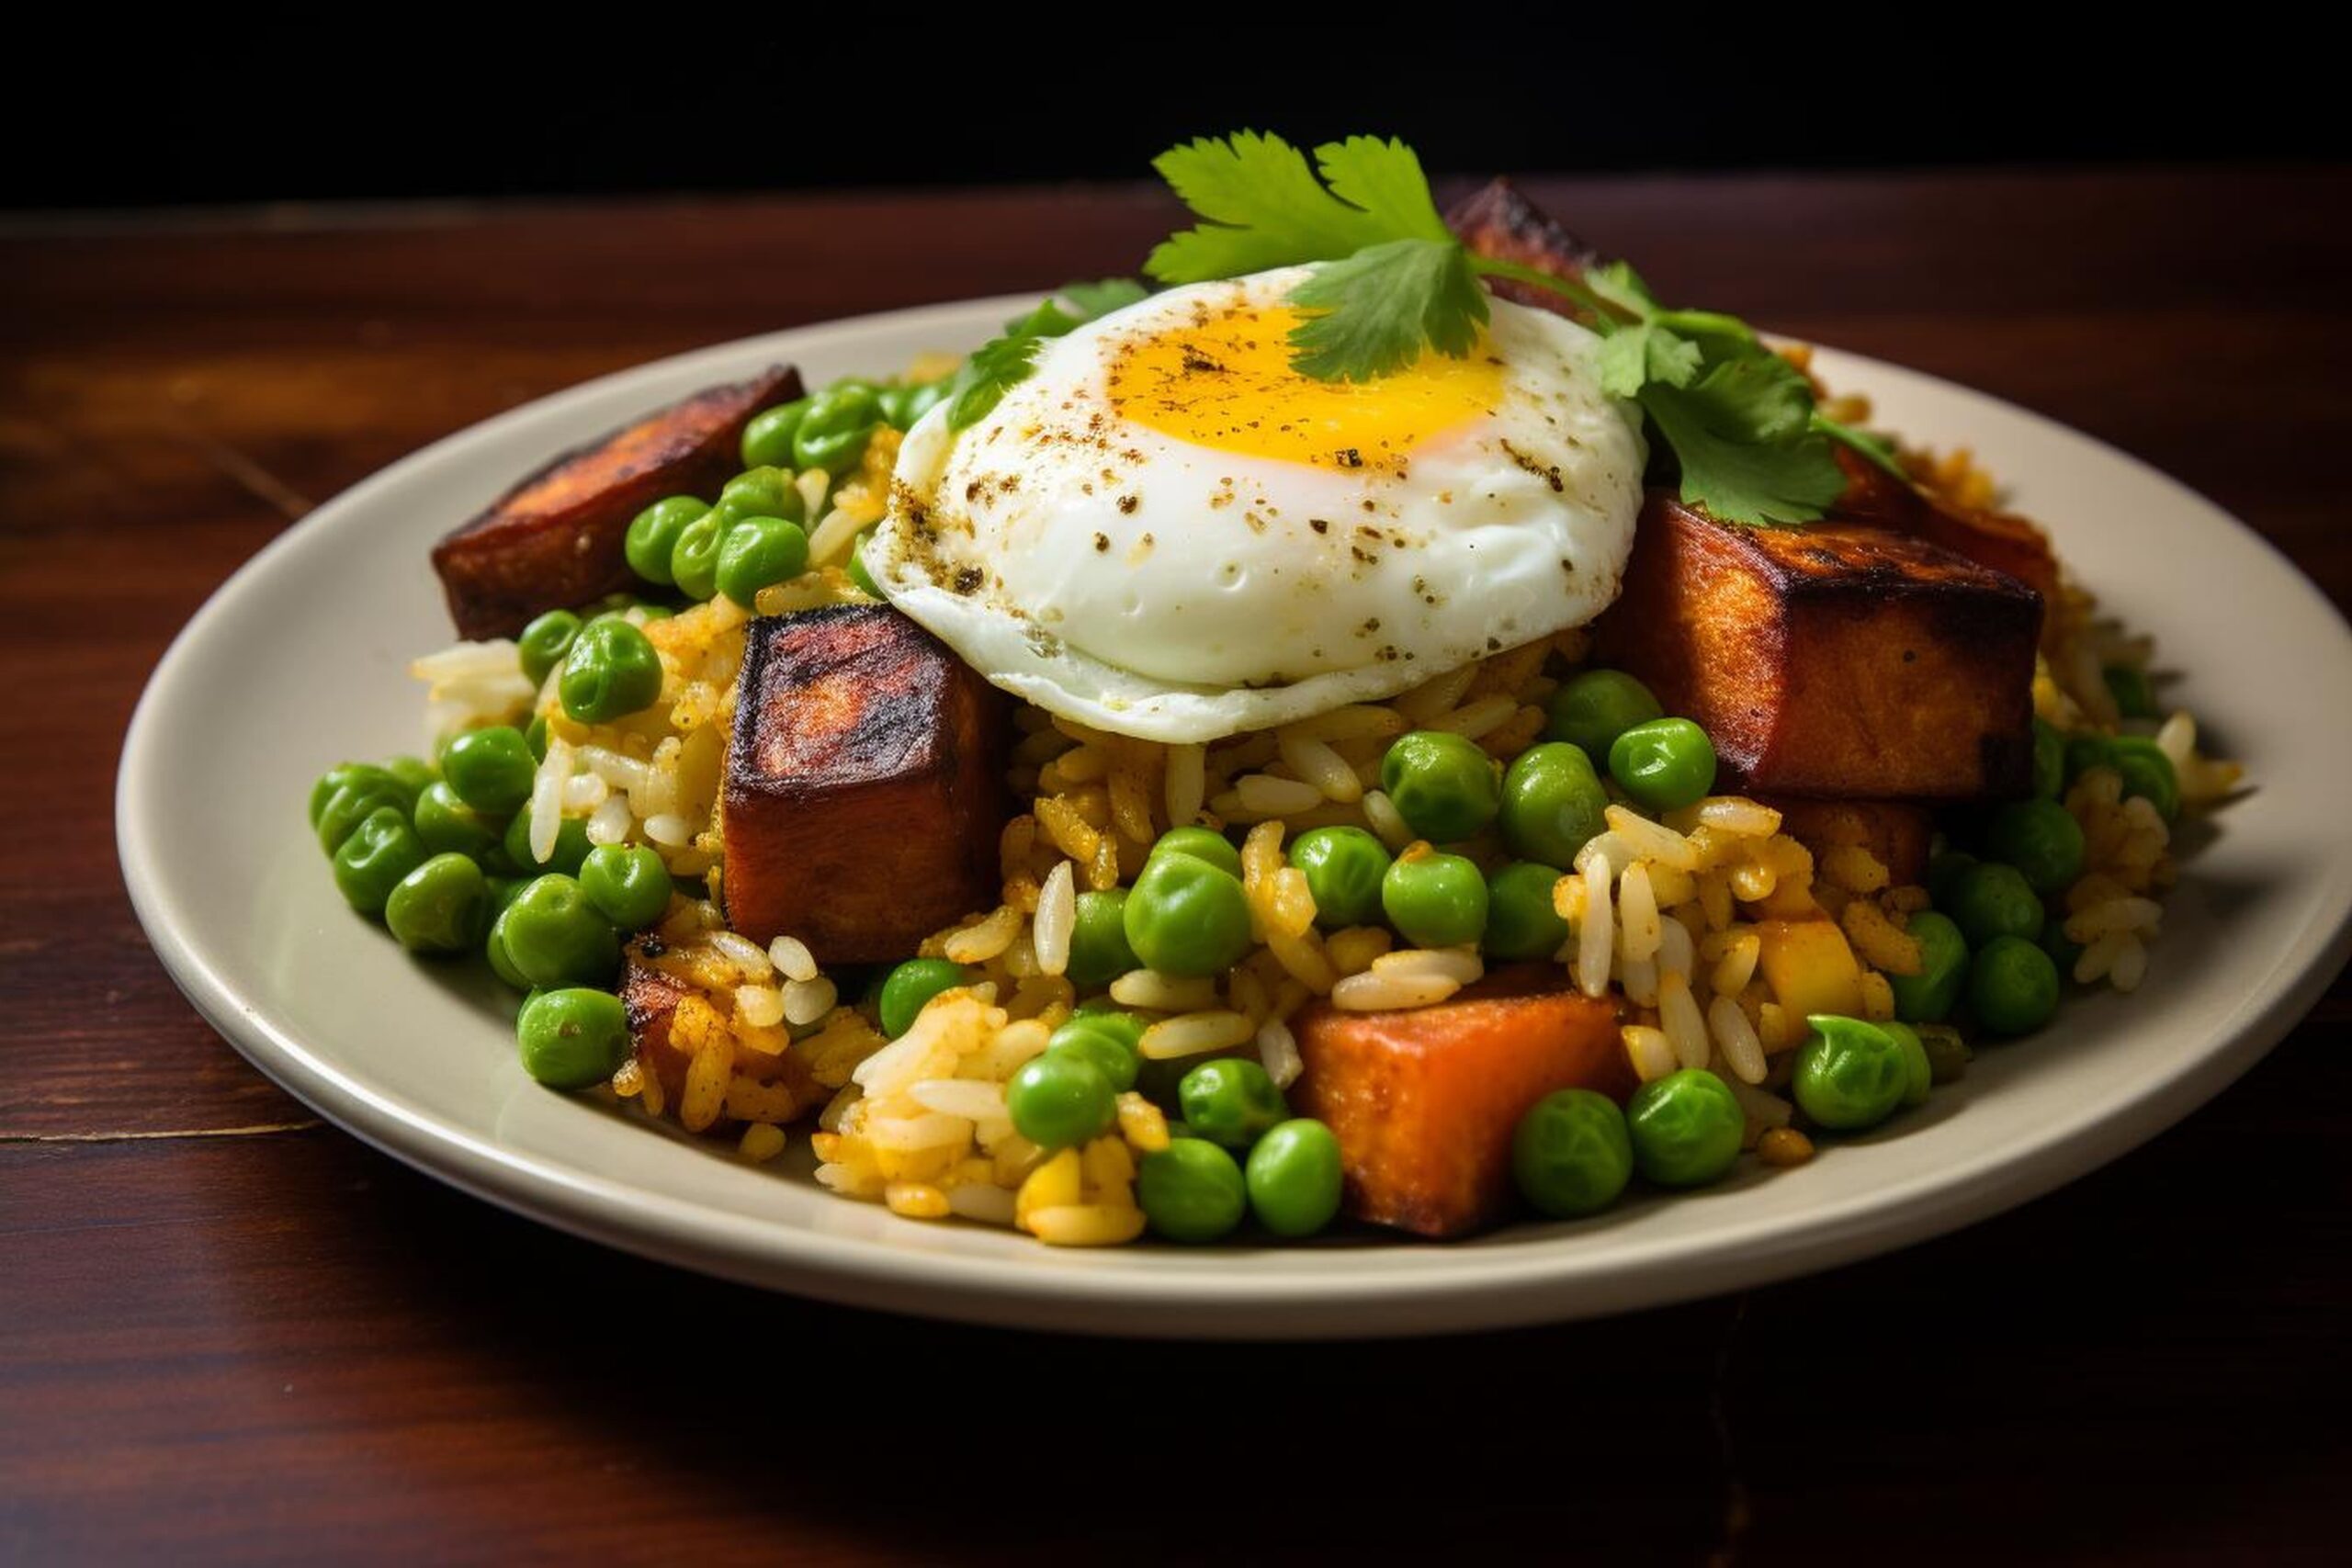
x=299 y=660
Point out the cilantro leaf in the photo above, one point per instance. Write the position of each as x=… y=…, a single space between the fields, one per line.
x=1102 y=296
x=1744 y=435
x=1373 y=312
x=1004 y=363
x=1266 y=209
x=1632 y=357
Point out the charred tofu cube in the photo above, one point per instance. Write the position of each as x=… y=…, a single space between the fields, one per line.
x=1424 y=1102
x=1833 y=661
x=1499 y=222
x=865 y=792
x=555 y=540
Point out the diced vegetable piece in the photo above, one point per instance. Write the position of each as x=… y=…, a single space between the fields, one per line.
x=558 y=538
x=1811 y=967
x=864 y=794
x=1425 y=1102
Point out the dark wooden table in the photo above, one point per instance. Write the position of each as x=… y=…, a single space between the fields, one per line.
x=227 y=1331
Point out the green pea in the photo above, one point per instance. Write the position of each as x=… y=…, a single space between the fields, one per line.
x=1919 y=1074
x=1849 y=1074
x=1665 y=765
x=913 y=984
x=1685 y=1128
x=446 y=825
x=1231 y=1101
x=767 y=440
x=902 y=406
x=1060 y=1098
x=1990 y=900
x=2049 y=761
x=1520 y=921
x=1106 y=1039
x=761 y=493
x=758 y=552
x=545 y=642
x=534 y=736
x=505 y=890
x=1187 y=917
x=1552 y=803
x=693 y=558
x=2085 y=753
x=612 y=671
x=354 y=801
x=1293 y=1178
x=2041 y=840
x=554 y=936
x=1099 y=952
x=347 y=774
x=2147 y=771
x=652 y=536
x=2134 y=694
x=573 y=1037
x=1571 y=1153
x=833 y=433
x=490 y=769
x=411 y=774
x=1930 y=995
x=2012 y=986
x=439 y=907
x=1201 y=844
x=374 y=857
x=1591 y=710
x=1191 y=1191
x=630 y=886
x=1343 y=867
x=501 y=962
x=571 y=846
x=1442 y=785
x=859 y=573
x=1435 y=900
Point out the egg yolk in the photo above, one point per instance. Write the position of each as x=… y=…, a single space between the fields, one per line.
x=1224 y=381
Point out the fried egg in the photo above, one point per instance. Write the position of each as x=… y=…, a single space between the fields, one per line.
x=1167 y=531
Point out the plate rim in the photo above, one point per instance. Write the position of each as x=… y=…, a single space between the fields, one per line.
x=1497 y=1290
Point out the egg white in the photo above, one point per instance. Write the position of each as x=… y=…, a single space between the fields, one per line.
x=1153 y=587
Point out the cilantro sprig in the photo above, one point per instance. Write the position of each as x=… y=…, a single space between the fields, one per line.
x=1390 y=282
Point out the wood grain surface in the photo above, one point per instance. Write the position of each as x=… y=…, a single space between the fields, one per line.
x=230 y=1333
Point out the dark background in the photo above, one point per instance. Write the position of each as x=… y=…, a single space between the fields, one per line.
x=329 y=104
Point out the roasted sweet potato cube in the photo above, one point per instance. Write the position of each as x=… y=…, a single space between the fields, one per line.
x=1833 y=660
x=865 y=792
x=554 y=540
x=1424 y=1102
x=653 y=997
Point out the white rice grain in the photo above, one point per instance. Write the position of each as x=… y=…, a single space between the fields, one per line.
x=979 y=1201
x=1483 y=716
x=1459 y=964
x=792 y=958
x=1186 y=786
x=1649 y=1050
x=1156 y=992
x=1737 y=815
x=1369 y=992
x=610 y=823
x=1737 y=1038
x=584 y=793
x=668 y=831
x=1677 y=1012
x=1317 y=763
x=761 y=1007
x=1264 y=795
x=2130 y=965
x=968 y=1097
x=1278 y=1053
x=743 y=952
x=1056 y=916
x=829 y=542
x=806 y=1001
x=1387 y=820
x=1195 y=1035
x=1653 y=841
x=1637 y=916
x=2176 y=737
x=1596 y=936
x=546 y=799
